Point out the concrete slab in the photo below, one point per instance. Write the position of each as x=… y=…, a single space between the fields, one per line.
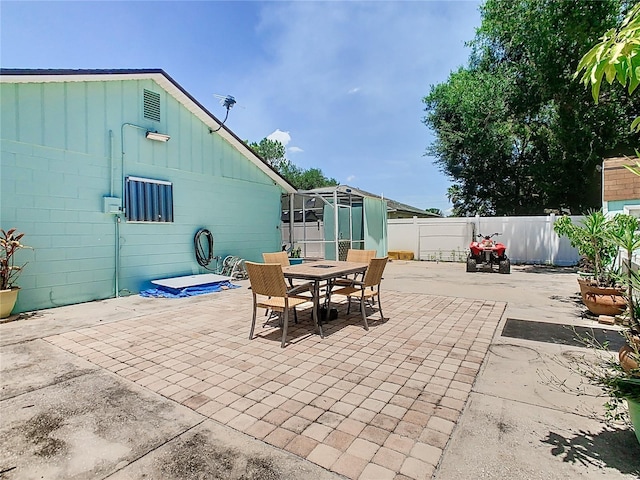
x=87 y=427
x=532 y=373
x=532 y=292
x=210 y=451
x=505 y=439
x=29 y=366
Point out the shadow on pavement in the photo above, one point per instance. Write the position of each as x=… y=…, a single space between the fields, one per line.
x=548 y=269
x=613 y=448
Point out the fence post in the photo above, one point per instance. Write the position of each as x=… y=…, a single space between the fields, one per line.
x=552 y=253
x=476 y=230
x=416 y=227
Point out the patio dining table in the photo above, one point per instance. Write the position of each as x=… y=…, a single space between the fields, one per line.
x=321 y=271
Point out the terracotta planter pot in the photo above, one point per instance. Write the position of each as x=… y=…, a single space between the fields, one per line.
x=626 y=356
x=602 y=301
x=8 y=301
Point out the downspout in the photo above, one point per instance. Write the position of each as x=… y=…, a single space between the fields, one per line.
x=117 y=246
x=132 y=125
x=111 y=163
x=116 y=218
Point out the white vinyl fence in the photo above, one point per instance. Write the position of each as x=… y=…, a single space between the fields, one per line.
x=529 y=240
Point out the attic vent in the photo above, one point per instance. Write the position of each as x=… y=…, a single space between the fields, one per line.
x=152 y=105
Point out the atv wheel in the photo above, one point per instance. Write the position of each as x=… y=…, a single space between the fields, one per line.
x=471 y=264
x=504 y=266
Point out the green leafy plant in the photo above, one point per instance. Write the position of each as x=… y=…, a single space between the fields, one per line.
x=10 y=243
x=623 y=232
x=596 y=366
x=607 y=372
x=616 y=58
x=593 y=240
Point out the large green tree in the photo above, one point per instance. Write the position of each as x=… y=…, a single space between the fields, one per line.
x=513 y=130
x=274 y=153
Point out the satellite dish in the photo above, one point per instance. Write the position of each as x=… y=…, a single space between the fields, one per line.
x=227 y=101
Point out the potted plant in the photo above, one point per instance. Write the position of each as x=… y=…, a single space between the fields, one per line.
x=10 y=243
x=624 y=234
x=618 y=378
x=294 y=256
x=601 y=293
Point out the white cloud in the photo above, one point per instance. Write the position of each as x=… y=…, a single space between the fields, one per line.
x=295 y=149
x=351 y=178
x=283 y=137
x=354 y=90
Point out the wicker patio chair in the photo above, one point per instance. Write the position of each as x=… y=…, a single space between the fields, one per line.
x=267 y=280
x=276 y=257
x=283 y=259
x=368 y=288
x=354 y=255
x=362 y=256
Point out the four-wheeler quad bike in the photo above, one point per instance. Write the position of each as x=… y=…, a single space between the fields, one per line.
x=487 y=253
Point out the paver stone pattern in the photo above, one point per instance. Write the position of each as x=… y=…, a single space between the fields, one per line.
x=365 y=404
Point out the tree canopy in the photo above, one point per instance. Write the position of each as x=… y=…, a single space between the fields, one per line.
x=513 y=130
x=274 y=153
x=615 y=57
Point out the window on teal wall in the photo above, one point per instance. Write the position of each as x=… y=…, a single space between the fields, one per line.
x=148 y=200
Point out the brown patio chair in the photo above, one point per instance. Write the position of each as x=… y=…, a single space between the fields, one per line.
x=279 y=257
x=368 y=288
x=355 y=255
x=276 y=257
x=362 y=256
x=267 y=280
x=283 y=259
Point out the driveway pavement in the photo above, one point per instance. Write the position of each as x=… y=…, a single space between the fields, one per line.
x=134 y=387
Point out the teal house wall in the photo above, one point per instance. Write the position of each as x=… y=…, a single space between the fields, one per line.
x=68 y=139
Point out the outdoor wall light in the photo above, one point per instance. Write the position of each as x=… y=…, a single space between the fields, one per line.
x=158 y=137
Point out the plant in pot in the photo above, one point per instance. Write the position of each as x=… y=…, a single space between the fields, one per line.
x=619 y=378
x=10 y=244
x=294 y=255
x=625 y=235
x=601 y=292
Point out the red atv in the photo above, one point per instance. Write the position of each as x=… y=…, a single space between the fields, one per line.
x=487 y=252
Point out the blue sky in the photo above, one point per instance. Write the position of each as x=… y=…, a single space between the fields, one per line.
x=340 y=83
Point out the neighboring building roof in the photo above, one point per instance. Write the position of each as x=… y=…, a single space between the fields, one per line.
x=15 y=75
x=393 y=207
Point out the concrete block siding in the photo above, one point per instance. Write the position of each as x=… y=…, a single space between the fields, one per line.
x=63 y=148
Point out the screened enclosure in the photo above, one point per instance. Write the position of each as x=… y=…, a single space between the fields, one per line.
x=326 y=222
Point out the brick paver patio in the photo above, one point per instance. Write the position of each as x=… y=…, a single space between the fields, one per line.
x=371 y=404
